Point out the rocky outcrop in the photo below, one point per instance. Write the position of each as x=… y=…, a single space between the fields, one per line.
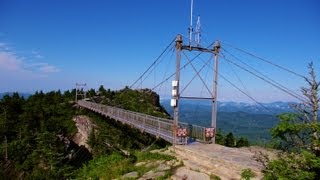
x=84 y=126
x=155 y=98
x=225 y=162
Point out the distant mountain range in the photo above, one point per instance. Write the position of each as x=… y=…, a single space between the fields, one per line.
x=262 y=108
x=243 y=119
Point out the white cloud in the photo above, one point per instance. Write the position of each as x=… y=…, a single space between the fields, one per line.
x=4 y=47
x=10 y=61
x=48 y=69
x=36 y=54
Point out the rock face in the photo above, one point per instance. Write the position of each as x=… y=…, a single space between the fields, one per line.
x=84 y=126
x=155 y=99
x=154 y=169
x=225 y=162
x=132 y=175
x=152 y=175
x=186 y=173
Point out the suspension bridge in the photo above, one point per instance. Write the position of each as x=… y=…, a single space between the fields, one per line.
x=159 y=127
x=172 y=130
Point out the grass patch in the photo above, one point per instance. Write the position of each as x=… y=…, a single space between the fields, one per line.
x=214 y=177
x=145 y=156
x=115 y=165
x=247 y=174
x=110 y=167
x=106 y=167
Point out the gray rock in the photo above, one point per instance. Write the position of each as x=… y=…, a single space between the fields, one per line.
x=140 y=164
x=131 y=175
x=163 y=167
x=152 y=175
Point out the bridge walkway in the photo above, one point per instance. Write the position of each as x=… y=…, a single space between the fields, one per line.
x=159 y=127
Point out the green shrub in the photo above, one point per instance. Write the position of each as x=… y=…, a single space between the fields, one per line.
x=144 y=156
x=214 y=177
x=247 y=174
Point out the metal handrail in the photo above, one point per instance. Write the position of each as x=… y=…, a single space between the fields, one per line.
x=157 y=126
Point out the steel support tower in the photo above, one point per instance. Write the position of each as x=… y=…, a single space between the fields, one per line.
x=80 y=90
x=175 y=84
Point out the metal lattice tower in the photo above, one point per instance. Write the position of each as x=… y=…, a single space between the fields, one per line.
x=197 y=37
x=80 y=91
x=175 y=83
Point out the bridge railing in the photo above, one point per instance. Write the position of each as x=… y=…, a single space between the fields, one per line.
x=157 y=126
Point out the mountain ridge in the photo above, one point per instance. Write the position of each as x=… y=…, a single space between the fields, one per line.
x=273 y=108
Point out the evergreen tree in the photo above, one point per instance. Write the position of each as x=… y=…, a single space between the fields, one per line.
x=299 y=134
x=230 y=141
x=242 y=142
x=220 y=139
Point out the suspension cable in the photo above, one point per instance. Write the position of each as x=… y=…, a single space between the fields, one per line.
x=153 y=63
x=154 y=67
x=252 y=98
x=236 y=75
x=236 y=87
x=203 y=66
x=198 y=74
x=181 y=68
x=265 y=60
x=264 y=79
x=261 y=73
x=166 y=70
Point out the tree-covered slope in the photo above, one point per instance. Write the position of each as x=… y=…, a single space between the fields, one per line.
x=141 y=100
x=36 y=132
x=32 y=132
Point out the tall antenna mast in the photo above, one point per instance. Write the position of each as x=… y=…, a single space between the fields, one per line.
x=198 y=32
x=176 y=94
x=191 y=28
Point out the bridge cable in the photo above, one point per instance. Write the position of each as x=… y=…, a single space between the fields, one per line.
x=236 y=75
x=198 y=74
x=264 y=79
x=236 y=87
x=241 y=82
x=203 y=66
x=261 y=73
x=166 y=72
x=153 y=62
x=265 y=60
x=153 y=68
x=181 y=68
x=196 y=111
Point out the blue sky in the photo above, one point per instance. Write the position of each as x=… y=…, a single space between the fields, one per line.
x=50 y=45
